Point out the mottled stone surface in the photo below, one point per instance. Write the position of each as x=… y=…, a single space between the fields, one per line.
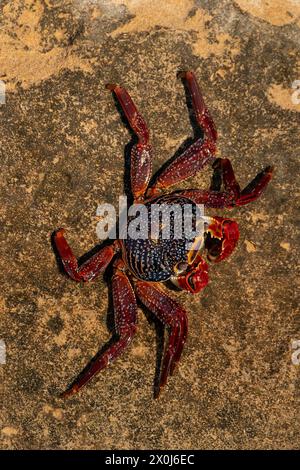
x=62 y=153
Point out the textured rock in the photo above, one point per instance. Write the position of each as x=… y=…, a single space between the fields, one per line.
x=62 y=153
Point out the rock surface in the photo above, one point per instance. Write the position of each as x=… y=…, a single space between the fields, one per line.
x=62 y=153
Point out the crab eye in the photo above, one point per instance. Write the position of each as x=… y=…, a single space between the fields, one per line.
x=181 y=267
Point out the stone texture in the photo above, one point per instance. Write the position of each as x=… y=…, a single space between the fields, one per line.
x=62 y=153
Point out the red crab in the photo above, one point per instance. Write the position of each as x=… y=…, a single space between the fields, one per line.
x=141 y=265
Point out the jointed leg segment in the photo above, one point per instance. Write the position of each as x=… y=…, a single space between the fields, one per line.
x=202 y=114
x=231 y=195
x=125 y=309
x=141 y=154
x=197 y=155
x=188 y=164
x=90 y=268
x=173 y=316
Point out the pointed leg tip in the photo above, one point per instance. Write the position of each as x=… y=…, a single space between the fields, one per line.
x=110 y=86
x=69 y=392
x=173 y=369
x=65 y=395
x=159 y=387
x=59 y=233
x=184 y=74
x=181 y=74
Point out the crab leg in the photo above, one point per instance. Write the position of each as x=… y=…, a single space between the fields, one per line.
x=186 y=165
x=254 y=189
x=90 y=268
x=125 y=309
x=202 y=114
x=141 y=154
x=199 y=153
x=213 y=199
x=223 y=168
x=232 y=195
x=223 y=173
x=172 y=315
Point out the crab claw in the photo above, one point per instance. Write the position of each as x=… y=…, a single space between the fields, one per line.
x=222 y=237
x=194 y=279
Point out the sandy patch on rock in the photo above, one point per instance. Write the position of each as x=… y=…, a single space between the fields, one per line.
x=282 y=97
x=275 y=12
x=22 y=59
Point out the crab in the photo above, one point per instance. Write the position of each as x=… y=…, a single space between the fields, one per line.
x=141 y=266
